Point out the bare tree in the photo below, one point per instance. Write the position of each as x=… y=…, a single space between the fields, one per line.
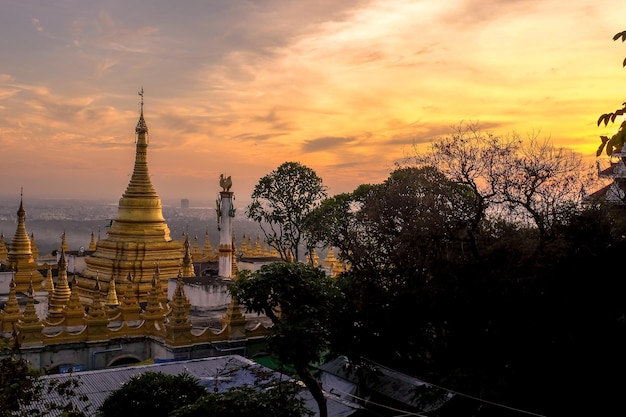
x=532 y=180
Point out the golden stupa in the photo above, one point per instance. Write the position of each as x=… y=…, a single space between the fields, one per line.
x=138 y=238
x=20 y=255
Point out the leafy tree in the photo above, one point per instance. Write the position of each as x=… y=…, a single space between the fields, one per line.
x=616 y=141
x=302 y=303
x=23 y=392
x=152 y=393
x=274 y=398
x=402 y=240
x=281 y=201
x=399 y=228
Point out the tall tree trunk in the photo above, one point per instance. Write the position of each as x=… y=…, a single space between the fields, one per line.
x=314 y=387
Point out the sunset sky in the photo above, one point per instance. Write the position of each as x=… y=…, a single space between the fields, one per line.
x=239 y=87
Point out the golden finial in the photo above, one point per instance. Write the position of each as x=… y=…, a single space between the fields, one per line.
x=142 y=127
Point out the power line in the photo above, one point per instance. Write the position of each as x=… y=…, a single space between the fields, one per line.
x=530 y=413
x=478 y=399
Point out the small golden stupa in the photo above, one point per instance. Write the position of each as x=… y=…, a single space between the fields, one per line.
x=138 y=237
x=20 y=255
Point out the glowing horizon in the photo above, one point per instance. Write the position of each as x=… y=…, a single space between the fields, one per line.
x=346 y=88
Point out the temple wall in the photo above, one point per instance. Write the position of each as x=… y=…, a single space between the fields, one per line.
x=212 y=296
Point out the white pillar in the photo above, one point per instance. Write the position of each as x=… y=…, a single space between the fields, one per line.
x=225 y=249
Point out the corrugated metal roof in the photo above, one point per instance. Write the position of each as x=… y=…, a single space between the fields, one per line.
x=215 y=373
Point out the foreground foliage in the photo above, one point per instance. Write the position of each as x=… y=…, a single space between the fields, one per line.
x=157 y=394
x=153 y=394
x=302 y=303
x=277 y=399
x=479 y=268
x=24 y=393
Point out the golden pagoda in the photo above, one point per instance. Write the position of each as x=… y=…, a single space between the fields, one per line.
x=244 y=246
x=330 y=259
x=92 y=243
x=137 y=238
x=207 y=250
x=3 y=249
x=187 y=267
x=20 y=256
x=64 y=246
x=61 y=294
x=195 y=250
x=33 y=246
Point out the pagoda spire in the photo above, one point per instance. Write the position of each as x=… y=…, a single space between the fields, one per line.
x=97 y=319
x=48 y=284
x=3 y=248
x=195 y=249
x=129 y=307
x=64 y=245
x=207 y=250
x=155 y=313
x=178 y=326
x=138 y=233
x=156 y=275
x=111 y=300
x=330 y=258
x=61 y=294
x=29 y=326
x=74 y=312
x=92 y=242
x=187 y=260
x=11 y=312
x=33 y=246
x=20 y=255
x=244 y=246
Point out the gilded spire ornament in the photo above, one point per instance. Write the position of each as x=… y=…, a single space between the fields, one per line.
x=20 y=256
x=11 y=312
x=178 y=326
x=29 y=326
x=187 y=270
x=207 y=250
x=155 y=313
x=195 y=249
x=92 y=243
x=64 y=246
x=162 y=289
x=97 y=319
x=61 y=294
x=3 y=248
x=111 y=300
x=258 y=253
x=129 y=307
x=33 y=246
x=74 y=312
x=314 y=259
x=330 y=259
x=48 y=284
x=96 y=310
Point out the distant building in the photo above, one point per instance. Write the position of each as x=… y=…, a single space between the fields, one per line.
x=184 y=203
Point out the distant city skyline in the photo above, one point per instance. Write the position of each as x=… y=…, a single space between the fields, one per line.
x=49 y=219
x=346 y=88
